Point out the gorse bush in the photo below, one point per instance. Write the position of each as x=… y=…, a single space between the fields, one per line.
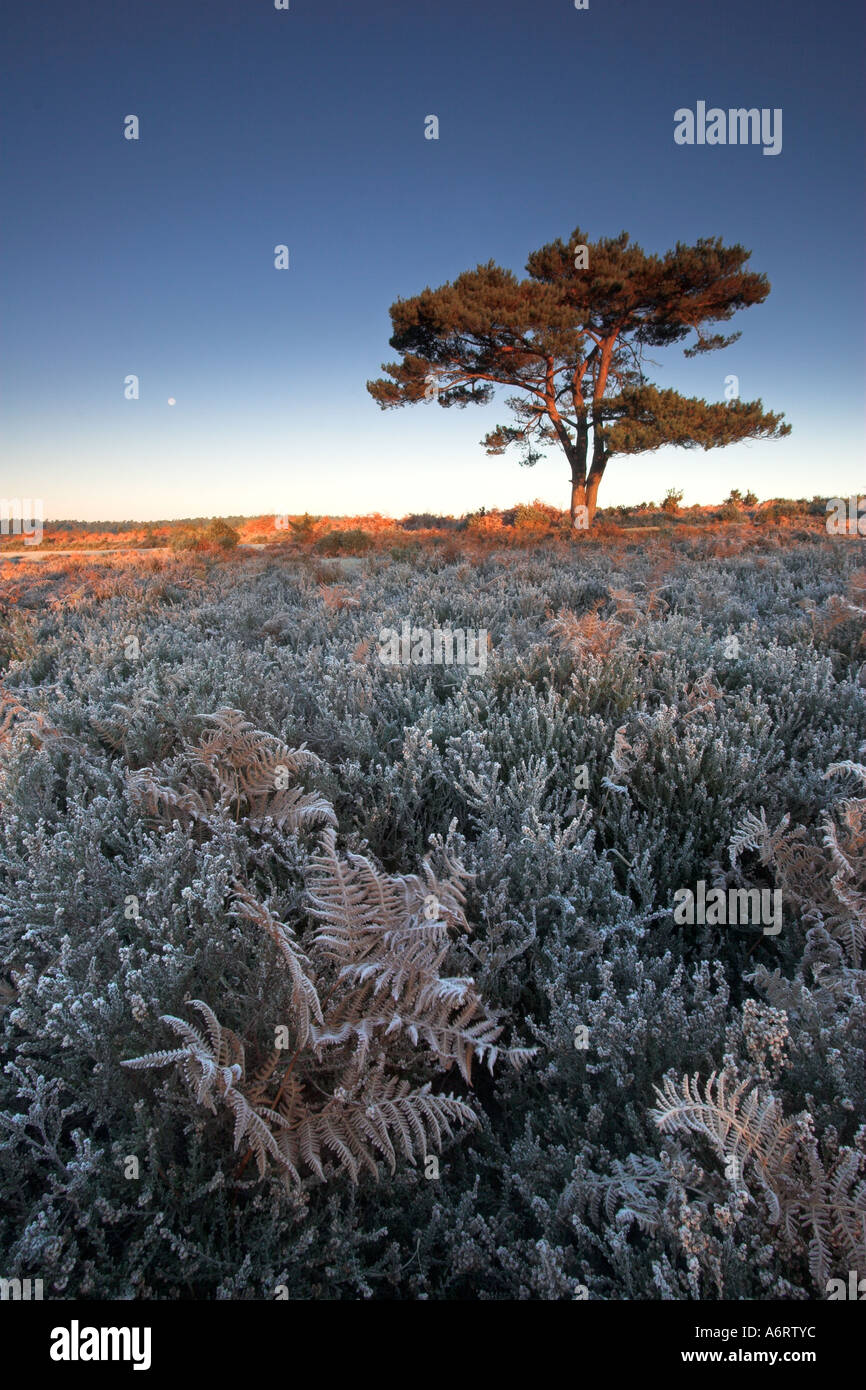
x=365 y=981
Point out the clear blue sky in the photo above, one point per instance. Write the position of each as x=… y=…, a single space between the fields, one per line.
x=306 y=127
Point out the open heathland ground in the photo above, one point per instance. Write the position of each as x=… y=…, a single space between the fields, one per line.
x=393 y=947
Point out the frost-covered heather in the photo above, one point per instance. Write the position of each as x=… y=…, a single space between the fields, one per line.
x=640 y=704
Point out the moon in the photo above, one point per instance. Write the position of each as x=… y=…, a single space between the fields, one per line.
x=172 y=401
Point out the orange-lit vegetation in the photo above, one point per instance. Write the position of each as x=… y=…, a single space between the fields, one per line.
x=521 y=525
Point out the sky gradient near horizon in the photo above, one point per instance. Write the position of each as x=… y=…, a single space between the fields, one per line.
x=305 y=127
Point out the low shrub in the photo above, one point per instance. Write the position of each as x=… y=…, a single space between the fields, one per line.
x=351 y=542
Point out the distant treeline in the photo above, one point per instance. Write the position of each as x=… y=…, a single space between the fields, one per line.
x=117 y=527
x=734 y=504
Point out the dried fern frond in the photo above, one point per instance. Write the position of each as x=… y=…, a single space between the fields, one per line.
x=828 y=881
x=369 y=997
x=352 y=1131
x=237 y=742
x=619 y=756
x=337 y=596
x=350 y=897
x=587 y=634
x=254 y=768
x=213 y=1068
x=845 y=1197
x=736 y=1121
x=305 y=1000
x=825 y=1211
x=366 y=990
x=630 y=1193
x=753 y=833
x=702 y=695
x=238 y=767
x=845 y=841
x=112 y=732
x=17 y=719
x=820 y=1212
x=835 y=612
x=163 y=803
x=373 y=927
x=347 y=1130
x=451 y=1032
x=857 y=770
x=626 y=605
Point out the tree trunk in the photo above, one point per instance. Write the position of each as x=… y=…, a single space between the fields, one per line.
x=584 y=497
x=596 y=472
x=592 y=491
x=580 y=515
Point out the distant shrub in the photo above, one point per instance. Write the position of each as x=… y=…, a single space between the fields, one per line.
x=537 y=516
x=672 y=499
x=304 y=527
x=351 y=542
x=730 y=511
x=735 y=503
x=780 y=509
x=485 y=523
x=222 y=535
x=427 y=521
x=187 y=539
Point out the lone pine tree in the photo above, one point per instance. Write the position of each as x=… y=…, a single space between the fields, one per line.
x=571 y=340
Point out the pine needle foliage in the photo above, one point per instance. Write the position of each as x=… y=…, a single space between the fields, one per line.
x=570 y=340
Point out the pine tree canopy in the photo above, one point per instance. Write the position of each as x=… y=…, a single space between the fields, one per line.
x=570 y=340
